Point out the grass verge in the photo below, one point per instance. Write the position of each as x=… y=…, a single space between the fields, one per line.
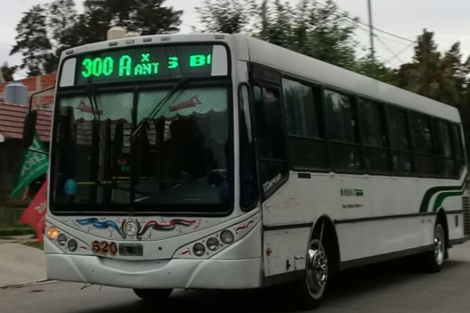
x=15 y=230
x=37 y=245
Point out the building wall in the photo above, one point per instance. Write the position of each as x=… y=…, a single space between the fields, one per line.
x=34 y=84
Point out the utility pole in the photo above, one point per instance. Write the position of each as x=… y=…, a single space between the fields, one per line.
x=425 y=39
x=264 y=22
x=371 y=29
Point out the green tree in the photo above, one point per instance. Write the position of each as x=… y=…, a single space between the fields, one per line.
x=333 y=35
x=318 y=30
x=145 y=16
x=45 y=31
x=150 y=17
x=8 y=71
x=440 y=76
x=226 y=16
x=373 y=68
x=33 y=43
x=61 y=19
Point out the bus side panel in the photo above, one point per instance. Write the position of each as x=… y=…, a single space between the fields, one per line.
x=285 y=250
x=357 y=240
x=457 y=219
x=373 y=215
x=455 y=223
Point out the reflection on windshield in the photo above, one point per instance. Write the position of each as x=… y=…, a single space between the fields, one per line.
x=179 y=159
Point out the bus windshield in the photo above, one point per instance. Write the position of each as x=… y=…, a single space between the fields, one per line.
x=179 y=162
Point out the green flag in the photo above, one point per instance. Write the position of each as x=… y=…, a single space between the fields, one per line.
x=33 y=165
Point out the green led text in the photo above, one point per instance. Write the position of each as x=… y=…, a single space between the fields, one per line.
x=145 y=64
x=173 y=62
x=198 y=60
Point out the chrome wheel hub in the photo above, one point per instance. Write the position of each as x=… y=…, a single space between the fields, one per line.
x=439 y=244
x=317 y=271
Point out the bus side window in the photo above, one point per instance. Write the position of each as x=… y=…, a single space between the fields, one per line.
x=271 y=139
x=423 y=144
x=446 y=164
x=457 y=149
x=305 y=126
x=399 y=140
x=342 y=128
x=374 y=136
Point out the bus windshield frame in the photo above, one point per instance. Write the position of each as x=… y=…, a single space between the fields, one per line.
x=221 y=178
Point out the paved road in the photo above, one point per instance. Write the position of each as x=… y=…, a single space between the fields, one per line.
x=19 y=264
x=381 y=288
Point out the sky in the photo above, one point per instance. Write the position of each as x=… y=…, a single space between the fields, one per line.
x=405 y=18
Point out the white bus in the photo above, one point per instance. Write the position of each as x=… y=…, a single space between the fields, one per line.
x=216 y=161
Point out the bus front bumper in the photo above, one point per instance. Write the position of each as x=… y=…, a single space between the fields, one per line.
x=161 y=274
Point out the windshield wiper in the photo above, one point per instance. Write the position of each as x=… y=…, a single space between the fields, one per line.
x=91 y=93
x=158 y=107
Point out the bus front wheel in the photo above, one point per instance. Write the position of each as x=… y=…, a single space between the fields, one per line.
x=154 y=295
x=309 y=291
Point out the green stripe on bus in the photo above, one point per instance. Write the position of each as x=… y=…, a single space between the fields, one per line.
x=432 y=191
x=441 y=197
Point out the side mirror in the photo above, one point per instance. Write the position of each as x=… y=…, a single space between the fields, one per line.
x=29 y=128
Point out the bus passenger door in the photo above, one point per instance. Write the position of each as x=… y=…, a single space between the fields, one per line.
x=279 y=195
x=273 y=169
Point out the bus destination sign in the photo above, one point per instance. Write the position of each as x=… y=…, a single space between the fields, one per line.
x=147 y=63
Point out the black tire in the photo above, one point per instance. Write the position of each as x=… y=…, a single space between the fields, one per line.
x=154 y=295
x=308 y=293
x=432 y=261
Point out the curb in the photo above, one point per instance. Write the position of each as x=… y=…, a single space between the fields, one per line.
x=18 y=241
x=16 y=232
x=28 y=283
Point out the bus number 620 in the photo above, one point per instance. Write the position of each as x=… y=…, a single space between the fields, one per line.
x=104 y=248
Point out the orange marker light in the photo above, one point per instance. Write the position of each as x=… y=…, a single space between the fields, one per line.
x=52 y=233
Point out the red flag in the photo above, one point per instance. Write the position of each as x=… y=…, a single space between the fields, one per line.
x=35 y=214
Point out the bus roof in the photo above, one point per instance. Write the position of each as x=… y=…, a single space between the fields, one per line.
x=295 y=65
x=309 y=69
x=152 y=40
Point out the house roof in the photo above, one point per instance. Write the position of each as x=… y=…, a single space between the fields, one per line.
x=12 y=119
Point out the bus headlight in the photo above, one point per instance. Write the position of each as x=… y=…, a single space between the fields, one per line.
x=227 y=237
x=72 y=245
x=53 y=233
x=213 y=244
x=62 y=240
x=199 y=249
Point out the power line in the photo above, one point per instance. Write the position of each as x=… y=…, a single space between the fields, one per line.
x=400 y=42
x=368 y=25
x=389 y=49
x=387 y=33
x=369 y=31
x=397 y=54
x=387 y=61
x=394 y=54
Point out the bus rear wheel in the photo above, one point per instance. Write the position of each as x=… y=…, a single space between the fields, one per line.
x=433 y=260
x=154 y=295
